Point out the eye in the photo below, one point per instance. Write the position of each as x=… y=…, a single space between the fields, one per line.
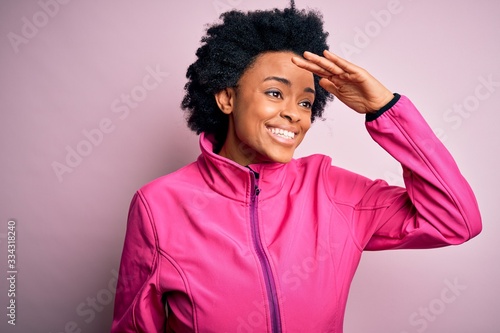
x=306 y=104
x=274 y=93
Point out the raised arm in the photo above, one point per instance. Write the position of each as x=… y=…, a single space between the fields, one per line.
x=437 y=206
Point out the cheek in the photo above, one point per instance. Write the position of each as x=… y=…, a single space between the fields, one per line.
x=252 y=119
x=305 y=129
x=248 y=127
x=306 y=126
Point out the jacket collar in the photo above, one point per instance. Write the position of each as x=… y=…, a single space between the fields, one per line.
x=232 y=180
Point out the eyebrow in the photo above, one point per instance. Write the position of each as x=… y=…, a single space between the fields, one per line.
x=287 y=82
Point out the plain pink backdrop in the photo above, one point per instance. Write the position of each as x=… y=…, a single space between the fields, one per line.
x=105 y=80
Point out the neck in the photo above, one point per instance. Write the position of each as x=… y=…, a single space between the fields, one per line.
x=236 y=152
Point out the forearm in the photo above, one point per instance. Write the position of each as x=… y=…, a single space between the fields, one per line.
x=445 y=204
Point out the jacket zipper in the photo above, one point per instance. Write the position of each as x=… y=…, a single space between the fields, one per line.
x=272 y=295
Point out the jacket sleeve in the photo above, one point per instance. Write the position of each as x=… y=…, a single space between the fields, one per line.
x=437 y=206
x=138 y=302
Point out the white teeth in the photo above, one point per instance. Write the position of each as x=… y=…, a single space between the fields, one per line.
x=281 y=132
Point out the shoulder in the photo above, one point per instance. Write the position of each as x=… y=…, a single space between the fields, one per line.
x=320 y=167
x=313 y=162
x=342 y=186
x=178 y=178
x=322 y=164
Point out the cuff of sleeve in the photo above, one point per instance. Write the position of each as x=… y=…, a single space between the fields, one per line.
x=374 y=115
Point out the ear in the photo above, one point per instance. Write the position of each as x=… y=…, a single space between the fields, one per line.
x=225 y=100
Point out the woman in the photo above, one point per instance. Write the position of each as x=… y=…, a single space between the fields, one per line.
x=248 y=239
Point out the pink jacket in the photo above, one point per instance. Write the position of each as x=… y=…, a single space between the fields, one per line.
x=222 y=248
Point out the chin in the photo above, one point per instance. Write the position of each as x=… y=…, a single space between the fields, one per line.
x=281 y=158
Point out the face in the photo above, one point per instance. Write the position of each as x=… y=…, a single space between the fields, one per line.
x=269 y=111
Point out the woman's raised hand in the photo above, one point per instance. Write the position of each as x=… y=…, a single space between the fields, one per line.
x=352 y=85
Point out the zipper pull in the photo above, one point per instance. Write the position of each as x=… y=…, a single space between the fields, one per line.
x=257 y=190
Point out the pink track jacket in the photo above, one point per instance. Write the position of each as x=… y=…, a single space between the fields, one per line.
x=218 y=247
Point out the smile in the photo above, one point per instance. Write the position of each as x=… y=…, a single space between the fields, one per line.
x=281 y=132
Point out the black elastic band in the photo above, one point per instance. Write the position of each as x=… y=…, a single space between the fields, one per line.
x=375 y=115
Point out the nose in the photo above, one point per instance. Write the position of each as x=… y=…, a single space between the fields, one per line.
x=290 y=113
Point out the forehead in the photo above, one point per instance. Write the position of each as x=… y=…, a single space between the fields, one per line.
x=277 y=64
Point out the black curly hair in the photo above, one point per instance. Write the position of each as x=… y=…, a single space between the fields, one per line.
x=230 y=47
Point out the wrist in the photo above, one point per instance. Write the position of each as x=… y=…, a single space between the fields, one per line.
x=374 y=115
x=388 y=97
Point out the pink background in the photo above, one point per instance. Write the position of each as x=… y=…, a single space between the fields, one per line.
x=66 y=71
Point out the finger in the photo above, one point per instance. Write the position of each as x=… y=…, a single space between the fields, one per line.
x=345 y=65
x=323 y=63
x=312 y=67
x=329 y=86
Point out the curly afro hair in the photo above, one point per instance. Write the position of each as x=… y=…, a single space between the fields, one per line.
x=230 y=47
